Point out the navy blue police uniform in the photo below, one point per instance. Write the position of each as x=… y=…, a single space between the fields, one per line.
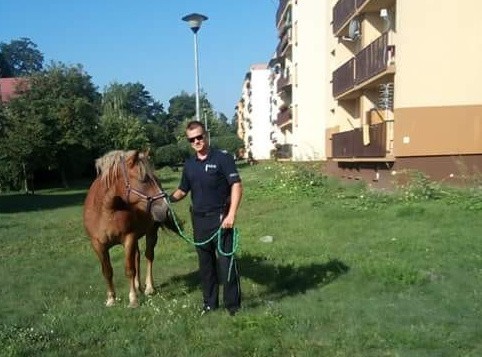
x=209 y=182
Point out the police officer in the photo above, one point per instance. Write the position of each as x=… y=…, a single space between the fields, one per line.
x=216 y=190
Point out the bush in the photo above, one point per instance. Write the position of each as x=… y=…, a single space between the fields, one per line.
x=230 y=143
x=170 y=155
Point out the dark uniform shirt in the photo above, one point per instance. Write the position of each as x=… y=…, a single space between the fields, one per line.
x=209 y=181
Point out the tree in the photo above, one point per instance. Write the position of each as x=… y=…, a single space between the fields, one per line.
x=54 y=123
x=170 y=155
x=20 y=58
x=120 y=128
x=122 y=132
x=231 y=143
x=134 y=99
x=23 y=145
x=5 y=69
x=181 y=107
x=158 y=135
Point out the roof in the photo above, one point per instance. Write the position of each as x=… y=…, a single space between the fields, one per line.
x=259 y=66
x=9 y=87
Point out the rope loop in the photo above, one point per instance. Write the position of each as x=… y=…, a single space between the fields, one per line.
x=217 y=234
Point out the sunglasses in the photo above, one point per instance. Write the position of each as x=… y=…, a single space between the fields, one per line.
x=198 y=138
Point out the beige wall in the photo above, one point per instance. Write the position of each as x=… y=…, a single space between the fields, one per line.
x=311 y=88
x=438 y=53
x=425 y=131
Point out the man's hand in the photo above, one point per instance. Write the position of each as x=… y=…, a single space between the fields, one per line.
x=228 y=222
x=176 y=196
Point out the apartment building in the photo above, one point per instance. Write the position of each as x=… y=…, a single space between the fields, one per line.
x=378 y=88
x=301 y=78
x=253 y=113
x=406 y=89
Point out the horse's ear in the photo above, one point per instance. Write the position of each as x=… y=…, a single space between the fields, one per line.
x=147 y=152
x=133 y=159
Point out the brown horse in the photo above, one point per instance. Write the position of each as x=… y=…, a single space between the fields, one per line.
x=124 y=203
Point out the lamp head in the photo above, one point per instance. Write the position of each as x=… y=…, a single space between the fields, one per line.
x=194 y=21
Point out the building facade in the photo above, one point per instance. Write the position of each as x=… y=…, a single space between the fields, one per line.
x=302 y=74
x=378 y=88
x=253 y=113
x=406 y=89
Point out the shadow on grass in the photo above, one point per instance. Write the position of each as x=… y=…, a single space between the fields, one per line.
x=26 y=203
x=288 y=280
x=279 y=280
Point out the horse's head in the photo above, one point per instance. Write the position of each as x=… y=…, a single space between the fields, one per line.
x=143 y=188
x=132 y=175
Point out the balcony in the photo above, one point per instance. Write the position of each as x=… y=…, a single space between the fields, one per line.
x=372 y=59
x=369 y=65
x=281 y=10
x=349 y=144
x=284 y=117
x=284 y=151
x=284 y=83
x=342 y=12
x=344 y=78
x=345 y=10
x=284 y=44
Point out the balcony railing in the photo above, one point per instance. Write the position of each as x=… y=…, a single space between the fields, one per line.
x=344 y=78
x=281 y=8
x=284 y=151
x=372 y=59
x=284 y=117
x=284 y=82
x=369 y=62
x=349 y=144
x=342 y=11
x=359 y=3
x=284 y=43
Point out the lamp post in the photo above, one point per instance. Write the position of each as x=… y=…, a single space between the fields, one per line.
x=194 y=21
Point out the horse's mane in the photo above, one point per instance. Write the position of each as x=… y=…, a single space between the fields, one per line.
x=109 y=166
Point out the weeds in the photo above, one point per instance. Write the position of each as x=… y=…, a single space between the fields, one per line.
x=420 y=187
x=295 y=180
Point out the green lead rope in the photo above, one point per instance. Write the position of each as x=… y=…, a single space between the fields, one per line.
x=217 y=234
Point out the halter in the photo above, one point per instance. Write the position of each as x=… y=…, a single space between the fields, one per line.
x=150 y=199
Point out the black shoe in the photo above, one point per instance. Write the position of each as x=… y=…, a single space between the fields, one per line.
x=233 y=311
x=206 y=309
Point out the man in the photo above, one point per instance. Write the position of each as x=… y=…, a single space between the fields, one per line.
x=216 y=190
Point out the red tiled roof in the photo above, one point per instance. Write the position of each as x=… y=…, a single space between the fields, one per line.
x=10 y=86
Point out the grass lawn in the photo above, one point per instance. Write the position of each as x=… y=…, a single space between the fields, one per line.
x=350 y=272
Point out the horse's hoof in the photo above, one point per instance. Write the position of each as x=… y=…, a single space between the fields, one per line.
x=133 y=304
x=149 y=291
x=110 y=302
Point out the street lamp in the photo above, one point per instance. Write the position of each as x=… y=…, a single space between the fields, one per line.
x=194 y=21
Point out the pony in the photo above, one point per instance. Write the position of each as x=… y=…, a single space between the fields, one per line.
x=124 y=203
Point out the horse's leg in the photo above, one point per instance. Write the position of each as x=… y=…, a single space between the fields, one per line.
x=131 y=246
x=137 y=280
x=103 y=254
x=151 y=240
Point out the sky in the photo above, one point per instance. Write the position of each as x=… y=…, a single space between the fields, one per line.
x=146 y=41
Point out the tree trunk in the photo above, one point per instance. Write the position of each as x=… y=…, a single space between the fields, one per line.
x=63 y=178
x=25 y=178
x=28 y=180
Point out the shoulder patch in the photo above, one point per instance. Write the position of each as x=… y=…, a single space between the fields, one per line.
x=224 y=151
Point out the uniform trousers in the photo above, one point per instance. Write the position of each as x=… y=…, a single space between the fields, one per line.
x=213 y=266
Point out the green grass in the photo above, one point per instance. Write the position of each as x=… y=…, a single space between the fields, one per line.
x=350 y=273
